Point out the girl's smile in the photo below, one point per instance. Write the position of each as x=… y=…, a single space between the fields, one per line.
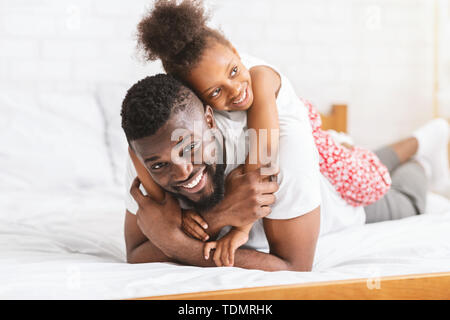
x=243 y=98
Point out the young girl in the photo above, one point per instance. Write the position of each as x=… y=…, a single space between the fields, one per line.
x=206 y=61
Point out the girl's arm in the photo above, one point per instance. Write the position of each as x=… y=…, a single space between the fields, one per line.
x=262 y=115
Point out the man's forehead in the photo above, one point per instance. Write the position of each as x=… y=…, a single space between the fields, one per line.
x=176 y=130
x=165 y=138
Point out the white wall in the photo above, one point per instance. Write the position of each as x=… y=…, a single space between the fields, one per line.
x=375 y=55
x=444 y=58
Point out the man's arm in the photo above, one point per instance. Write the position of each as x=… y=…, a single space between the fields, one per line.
x=294 y=240
x=162 y=226
x=248 y=197
x=235 y=209
x=292 y=246
x=139 y=248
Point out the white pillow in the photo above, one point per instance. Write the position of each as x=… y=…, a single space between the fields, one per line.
x=52 y=140
x=110 y=97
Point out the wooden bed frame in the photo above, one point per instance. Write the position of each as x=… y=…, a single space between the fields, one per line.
x=411 y=287
x=420 y=286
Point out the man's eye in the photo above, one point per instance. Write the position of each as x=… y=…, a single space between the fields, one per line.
x=215 y=93
x=158 y=166
x=234 y=71
x=190 y=147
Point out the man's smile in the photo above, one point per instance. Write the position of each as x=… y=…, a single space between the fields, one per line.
x=194 y=184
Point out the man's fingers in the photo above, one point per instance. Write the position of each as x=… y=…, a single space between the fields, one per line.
x=208 y=247
x=136 y=182
x=265 y=171
x=270 y=170
x=136 y=192
x=266 y=199
x=269 y=187
x=264 y=211
x=238 y=171
x=255 y=173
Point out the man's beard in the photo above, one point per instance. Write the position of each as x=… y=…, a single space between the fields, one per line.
x=210 y=201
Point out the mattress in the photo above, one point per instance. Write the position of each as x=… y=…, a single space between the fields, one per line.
x=69 y=244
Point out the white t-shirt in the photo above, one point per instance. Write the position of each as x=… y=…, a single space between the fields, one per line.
x=302 y=187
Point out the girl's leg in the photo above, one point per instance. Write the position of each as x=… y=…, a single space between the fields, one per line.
x=389 y=157
x=407 y=195
x=405 y=150
x=428 y=146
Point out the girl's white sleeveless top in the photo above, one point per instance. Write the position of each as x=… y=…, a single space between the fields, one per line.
x=302 y=186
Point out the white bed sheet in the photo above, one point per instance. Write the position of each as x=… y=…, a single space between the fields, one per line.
x=69 y=245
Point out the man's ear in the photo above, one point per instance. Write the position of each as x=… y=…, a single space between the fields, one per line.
x=209 y=117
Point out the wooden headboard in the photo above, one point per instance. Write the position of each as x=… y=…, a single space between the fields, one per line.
x=336 y=119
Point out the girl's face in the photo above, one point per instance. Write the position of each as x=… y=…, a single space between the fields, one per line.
x=221 y=80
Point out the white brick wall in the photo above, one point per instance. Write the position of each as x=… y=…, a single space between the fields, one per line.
x=375 y=55
x=444 y=74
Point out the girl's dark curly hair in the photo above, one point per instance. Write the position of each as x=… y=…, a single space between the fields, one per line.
x=177 y=34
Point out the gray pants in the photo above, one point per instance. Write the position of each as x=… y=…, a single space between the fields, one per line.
x=407 y=195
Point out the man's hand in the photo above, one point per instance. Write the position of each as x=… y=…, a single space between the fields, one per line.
x=248 y=197
x=159 y=222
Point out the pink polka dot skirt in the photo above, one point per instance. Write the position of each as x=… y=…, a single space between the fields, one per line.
x=357 y=174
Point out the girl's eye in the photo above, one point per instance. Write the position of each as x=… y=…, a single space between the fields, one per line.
x=215 y=93
x=234 y=71
x=159 y=166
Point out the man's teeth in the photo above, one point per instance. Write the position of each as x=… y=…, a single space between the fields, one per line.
x=195 y=182
x=242 y=99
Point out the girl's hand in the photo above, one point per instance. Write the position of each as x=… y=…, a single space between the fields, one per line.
x=226 y=247
x=194 y=225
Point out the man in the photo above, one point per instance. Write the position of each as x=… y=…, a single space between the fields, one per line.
x=285 y=239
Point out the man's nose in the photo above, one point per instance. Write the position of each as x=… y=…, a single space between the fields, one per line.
x=182 y=170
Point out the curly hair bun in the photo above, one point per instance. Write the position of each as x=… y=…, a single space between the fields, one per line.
x=170 y=27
